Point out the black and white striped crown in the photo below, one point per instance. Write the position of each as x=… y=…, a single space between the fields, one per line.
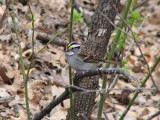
x=73 y=45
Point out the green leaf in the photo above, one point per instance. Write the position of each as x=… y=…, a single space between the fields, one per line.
x=121 y=45
x=142 y=19
x=32 y=17
x=127 y=68
x=122 y=37
x=124 y=62
x=131 y=21
x=135 y=14
x=1 y=1
x=77 y=17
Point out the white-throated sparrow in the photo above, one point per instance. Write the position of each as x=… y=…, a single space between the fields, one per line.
x=81 y=59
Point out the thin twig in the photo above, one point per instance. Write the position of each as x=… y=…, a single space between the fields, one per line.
x=44 y=38
x=105 y=115
x=100 y=71
x=110 y=56
x=51 y=105
x=43 y=48
x=136 y=94
x=154 y=115
x=58 y=34
x=83 y=90
x=132 y=41
x=71 y=112
x=83 y=117
x=5 y=14
x=140 y=4
x=138 y=48
x=21 y=61
x=32 y=16
x=65 y=94
x=114 y=24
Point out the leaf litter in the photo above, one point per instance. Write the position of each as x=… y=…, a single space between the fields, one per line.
x=49 y=73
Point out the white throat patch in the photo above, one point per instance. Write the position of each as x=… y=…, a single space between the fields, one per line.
x=69 y=53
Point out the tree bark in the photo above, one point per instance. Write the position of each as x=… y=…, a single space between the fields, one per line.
x=98 y=38
x=100 y=28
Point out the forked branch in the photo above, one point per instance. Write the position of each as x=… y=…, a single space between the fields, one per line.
x=79 y=76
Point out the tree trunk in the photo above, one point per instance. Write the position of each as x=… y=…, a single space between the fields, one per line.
x=98 y=38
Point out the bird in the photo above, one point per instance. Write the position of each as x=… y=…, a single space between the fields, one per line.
x=80 y=59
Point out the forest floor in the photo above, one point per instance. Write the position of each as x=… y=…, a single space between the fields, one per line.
x=49 y=73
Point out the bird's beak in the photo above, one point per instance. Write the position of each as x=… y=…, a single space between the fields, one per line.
x=67 y=50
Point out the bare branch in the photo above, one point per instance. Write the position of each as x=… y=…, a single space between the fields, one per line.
x=44 y=38
x=83 y=117
x=100 y=71
x=105 y=115
x=51 y=105
x=5 y=14
x=140 y=4
x=154 y=115
x=109 y=89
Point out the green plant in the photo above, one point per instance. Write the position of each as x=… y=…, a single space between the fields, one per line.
x=110 y=56
x=21 y=60
x=70 y=70
x=137 y=93
x=77 y=17
x=1 y=1
x=32 y=17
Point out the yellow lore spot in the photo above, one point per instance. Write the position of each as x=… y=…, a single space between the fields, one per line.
x=70 y=47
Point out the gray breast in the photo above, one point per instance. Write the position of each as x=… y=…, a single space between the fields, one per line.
x=78 y=64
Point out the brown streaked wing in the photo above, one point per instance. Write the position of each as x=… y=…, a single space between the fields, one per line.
x=89 y=56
